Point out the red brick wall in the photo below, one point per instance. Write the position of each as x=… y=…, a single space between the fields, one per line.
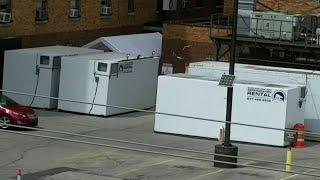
x=208 y=8
x=228 y=8
x=75 y=38
x=183 y=44
x=287 y=6
x=292 y=6
x=59 y=29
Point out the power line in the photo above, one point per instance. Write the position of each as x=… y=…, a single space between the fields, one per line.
x=168 y=114
x=159 y=153
x=159 y=146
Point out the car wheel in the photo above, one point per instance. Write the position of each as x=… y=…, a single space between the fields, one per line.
x=4 y=122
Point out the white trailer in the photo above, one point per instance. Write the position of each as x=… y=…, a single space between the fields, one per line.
x=36 y=71
x=141 y=44
x=254 y=103
x=114 y=79
x=308 y=78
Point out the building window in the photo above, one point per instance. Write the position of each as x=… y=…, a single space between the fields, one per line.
x=42 y=10
x=105 y=8
x=131 y=6
x=185 y=4
x=159 y=5
x=219 y=6
x=5 y=6
x=200 y=3
x=75 y=9
x=5 y=11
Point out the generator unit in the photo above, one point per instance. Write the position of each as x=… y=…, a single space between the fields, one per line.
x=273 y=25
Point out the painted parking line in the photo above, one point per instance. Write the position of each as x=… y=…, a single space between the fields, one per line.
x=137 y=169
x=295 y=175
x=208 y=174
x=247 y=163
x=216 y=172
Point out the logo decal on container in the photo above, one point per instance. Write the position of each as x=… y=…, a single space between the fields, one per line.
x=279 y=96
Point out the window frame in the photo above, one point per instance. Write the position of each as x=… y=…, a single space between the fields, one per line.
x=43 y=8
x=200 y=3
x=8 y=8
x=187 y=5
x=102 y=67
x=108 y=3
x=131 y=9
x=76 y=7
x=159 y=5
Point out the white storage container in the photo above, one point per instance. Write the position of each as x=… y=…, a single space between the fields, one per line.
x=36 y=71
x=267 y=74
x=108 y=79
x=254 y=103
x=142 y=44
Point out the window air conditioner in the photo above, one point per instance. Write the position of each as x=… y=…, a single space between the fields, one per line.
x=169 y=5
x=5 y=17
x=41 y=15
x=106 y=10
x=74 y=13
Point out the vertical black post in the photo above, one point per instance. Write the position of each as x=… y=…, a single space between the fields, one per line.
x=231 y=72
x=227 y=148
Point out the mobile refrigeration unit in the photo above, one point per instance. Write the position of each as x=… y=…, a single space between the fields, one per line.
x=308 y=78
x=114 y=79
x=254 y=103
x=36 y=71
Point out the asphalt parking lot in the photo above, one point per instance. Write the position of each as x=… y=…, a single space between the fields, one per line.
x=49 y=159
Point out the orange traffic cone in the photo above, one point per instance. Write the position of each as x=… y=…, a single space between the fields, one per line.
x=300 y=139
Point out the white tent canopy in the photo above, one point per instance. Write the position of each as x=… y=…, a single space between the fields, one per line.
x=141 y=44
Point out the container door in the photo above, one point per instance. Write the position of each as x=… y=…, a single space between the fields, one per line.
x=7 y=44
x=44 y=71
x=98 y=93
x=55 y=80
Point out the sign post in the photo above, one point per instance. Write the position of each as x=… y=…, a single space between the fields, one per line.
x=227 y=148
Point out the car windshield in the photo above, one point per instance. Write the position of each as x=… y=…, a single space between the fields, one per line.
x=5 y=101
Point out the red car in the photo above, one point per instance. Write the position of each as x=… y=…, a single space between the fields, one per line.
x=13 y=113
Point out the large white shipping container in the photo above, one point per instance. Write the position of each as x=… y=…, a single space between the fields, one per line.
x=36 y=71
x=308 y=78
x=108 y=79
x=275 y=106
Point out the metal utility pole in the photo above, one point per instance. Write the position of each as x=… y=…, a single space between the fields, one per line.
x=227 y=148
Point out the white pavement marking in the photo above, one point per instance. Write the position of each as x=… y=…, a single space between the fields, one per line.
x=216 y=172
x=137 y=169
x=204 y=175
x=295 y=175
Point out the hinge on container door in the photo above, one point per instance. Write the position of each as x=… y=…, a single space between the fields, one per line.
x=37 y=70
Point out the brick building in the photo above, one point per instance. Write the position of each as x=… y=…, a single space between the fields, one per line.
x=76 y=22
x=189 y=40
x=310 y=7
